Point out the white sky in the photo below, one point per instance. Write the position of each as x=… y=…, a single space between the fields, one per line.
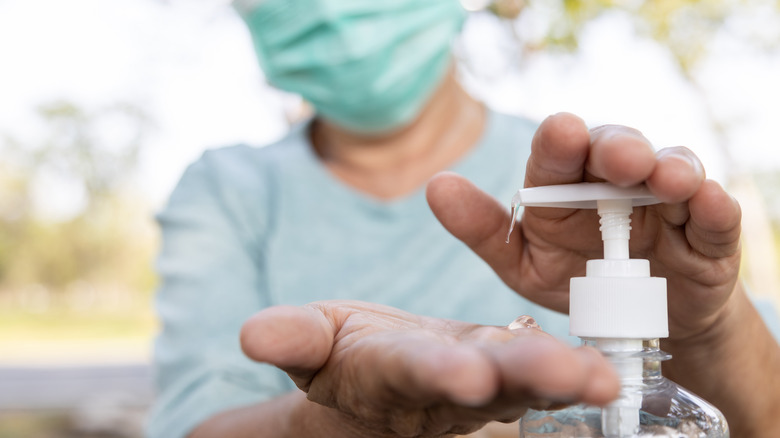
x=191 y=65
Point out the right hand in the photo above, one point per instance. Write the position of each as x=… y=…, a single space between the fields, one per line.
x=386 y=372
x=692 y=239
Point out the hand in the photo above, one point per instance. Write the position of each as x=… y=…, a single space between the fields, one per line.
x=692 y=239
x=390 y=373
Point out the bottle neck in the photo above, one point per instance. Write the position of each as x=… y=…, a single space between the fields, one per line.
x=609 y=345
x=633 y=359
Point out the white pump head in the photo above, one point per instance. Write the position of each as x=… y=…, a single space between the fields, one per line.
x=617 y=298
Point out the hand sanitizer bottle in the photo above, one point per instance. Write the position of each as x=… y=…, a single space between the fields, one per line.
x=619 y=309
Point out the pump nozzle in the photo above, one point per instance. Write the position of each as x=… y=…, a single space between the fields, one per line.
x=617 y=304
x=615 y=227
x=611 y=201
x=617 y=298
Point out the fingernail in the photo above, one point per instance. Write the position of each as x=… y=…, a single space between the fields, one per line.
x=688 y=158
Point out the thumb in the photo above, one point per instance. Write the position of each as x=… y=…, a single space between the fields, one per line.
x=478 y=220
x=297 y=340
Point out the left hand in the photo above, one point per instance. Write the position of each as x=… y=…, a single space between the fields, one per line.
x=692 y=239
x=389 y=373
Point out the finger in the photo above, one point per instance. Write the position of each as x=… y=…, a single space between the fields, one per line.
x=714 y=228
x=418 y=369
x=429 y=370
x=564 y=151
x=705 y=228
x=464 y=373
x=603 y=385
x=550 y=370
x=477 y=220
x=677 y=175
x=558 y=151
x=620 y=155
x=296 y=339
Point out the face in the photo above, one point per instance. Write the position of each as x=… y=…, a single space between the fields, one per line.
x=366 y=65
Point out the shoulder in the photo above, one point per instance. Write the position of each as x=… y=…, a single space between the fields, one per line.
x=498 y=163
x=516 y=127
x=250 y=171
x=507 y=138
x=247 y=167
x=238 y=183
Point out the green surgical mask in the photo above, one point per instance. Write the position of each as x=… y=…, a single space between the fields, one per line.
x=366 y=65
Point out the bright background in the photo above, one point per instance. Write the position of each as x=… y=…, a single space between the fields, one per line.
x=103 y=105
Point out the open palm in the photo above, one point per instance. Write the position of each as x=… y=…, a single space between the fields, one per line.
x=387 y=372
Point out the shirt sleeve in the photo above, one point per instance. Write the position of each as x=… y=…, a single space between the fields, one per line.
x=212 y=269
x=768 y=313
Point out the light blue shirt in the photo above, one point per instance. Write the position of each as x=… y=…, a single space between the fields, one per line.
x=249 y=227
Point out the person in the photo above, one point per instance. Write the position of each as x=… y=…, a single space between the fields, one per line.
x=313 y=287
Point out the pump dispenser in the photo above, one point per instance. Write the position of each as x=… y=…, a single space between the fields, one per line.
x=619 y=309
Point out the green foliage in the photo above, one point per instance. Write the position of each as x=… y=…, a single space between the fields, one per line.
x=688 y=30
x=575 y=15
x=33 y=424
x=685 y=27
x=59 y=323
x=109 y=240
x=75 y=147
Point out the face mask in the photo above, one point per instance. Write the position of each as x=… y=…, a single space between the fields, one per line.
x=366 y=65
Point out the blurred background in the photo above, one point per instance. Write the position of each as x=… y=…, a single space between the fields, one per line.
x=103 y=105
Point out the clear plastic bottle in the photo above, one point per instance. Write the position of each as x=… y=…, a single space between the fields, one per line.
x=663 y=408
x=619 y=309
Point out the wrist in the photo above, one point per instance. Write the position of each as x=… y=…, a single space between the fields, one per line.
x=737 y=351
x=315 y=420
x=722 y=329
x=708 y=356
